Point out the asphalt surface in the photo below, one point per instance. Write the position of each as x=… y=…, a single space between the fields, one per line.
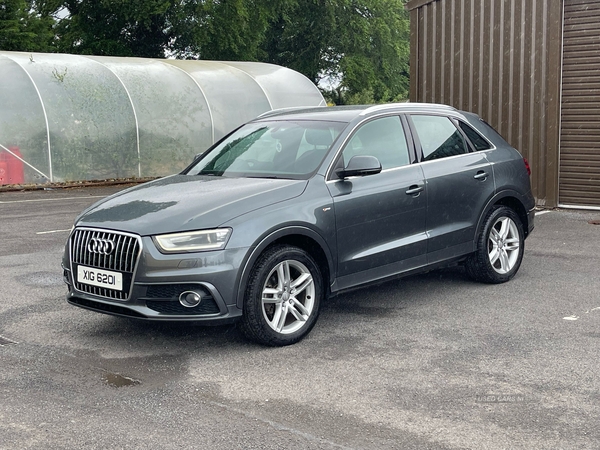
x=428 y=362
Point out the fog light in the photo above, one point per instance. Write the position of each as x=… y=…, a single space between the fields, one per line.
x=190 y=299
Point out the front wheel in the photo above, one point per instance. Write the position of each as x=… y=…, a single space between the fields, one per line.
x=283 y=296
x=499 y=248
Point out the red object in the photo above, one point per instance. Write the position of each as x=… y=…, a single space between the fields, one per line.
x=527 y=166
x=11 y=168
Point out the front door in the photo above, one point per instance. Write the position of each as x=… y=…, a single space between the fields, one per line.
x=380 y=219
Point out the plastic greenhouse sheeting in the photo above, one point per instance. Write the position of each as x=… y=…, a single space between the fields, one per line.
x=69 y=117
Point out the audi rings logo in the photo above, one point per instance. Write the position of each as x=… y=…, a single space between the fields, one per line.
x=101 y=246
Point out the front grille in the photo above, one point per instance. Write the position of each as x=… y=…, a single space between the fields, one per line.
x=122 y=258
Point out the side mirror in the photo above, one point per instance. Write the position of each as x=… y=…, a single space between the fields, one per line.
x=360 y=166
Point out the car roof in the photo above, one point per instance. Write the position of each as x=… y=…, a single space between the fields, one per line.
x=349 y=113
x=333 y=113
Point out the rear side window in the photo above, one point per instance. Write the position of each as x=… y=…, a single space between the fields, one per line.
x=476 y=139
x=439 y=137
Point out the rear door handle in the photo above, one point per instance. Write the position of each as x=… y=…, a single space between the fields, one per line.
x=415 y=190
x=481 y=175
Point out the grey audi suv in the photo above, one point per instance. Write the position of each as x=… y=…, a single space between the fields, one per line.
x=301 y=204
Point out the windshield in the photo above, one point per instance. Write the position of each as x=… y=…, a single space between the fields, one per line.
x=274 y=149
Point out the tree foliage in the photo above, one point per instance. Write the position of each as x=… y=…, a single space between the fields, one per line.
x=362 y=43
x=113 y=27
x=203 y=29
x=356 y=50
x=23 y=29
x=225 y=30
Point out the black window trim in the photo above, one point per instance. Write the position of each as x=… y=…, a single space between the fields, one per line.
x=410 y=139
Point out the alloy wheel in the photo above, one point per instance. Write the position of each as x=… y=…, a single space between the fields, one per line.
x=288 y=297
x=503 y=245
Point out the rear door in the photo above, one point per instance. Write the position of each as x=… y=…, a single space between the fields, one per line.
x=459 y=183
x=380 y=218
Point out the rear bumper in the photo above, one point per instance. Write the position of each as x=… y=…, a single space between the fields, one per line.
x=530 y=220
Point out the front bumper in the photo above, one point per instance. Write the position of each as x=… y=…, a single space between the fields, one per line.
x=159 y=279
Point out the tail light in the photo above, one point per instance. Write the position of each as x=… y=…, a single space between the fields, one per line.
x=527 y=166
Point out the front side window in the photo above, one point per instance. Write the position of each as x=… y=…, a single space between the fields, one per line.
x=439 y=137
x=272 y=149
x=382 y=138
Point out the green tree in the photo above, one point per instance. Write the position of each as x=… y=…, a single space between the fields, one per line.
x=377 y=60
x=23 y=29
x=362 y=44
x=224 y=30
x=304 y=37
x=206 y=29
x=112 y=27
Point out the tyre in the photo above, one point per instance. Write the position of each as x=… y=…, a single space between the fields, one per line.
x=499 y=248
x=283 y=296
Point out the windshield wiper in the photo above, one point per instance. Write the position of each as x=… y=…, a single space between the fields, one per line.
x=209 y=174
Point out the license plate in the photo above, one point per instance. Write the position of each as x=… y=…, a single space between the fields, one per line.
x=101 y=278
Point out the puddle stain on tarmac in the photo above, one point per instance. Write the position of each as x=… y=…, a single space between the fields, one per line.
x=41 y=279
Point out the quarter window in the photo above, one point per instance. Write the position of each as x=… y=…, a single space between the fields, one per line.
x=439 y=137
x=382 y=138
x=476 y=139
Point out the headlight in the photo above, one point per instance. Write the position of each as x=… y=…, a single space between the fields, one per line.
x=193 y=241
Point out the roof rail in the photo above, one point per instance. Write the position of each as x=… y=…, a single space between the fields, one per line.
x=385 y=106
x=277 y=111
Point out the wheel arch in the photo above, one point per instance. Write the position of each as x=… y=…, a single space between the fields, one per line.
x=511 y=200
x=301 y=237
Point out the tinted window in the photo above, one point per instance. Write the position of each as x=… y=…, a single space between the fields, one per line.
x=476 y=139
x=439 y=137
x=382 y=138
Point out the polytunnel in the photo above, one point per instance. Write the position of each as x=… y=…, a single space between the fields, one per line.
x=70 y=117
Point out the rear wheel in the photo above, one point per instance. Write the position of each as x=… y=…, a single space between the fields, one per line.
x=283 y=296
x=499 y=249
